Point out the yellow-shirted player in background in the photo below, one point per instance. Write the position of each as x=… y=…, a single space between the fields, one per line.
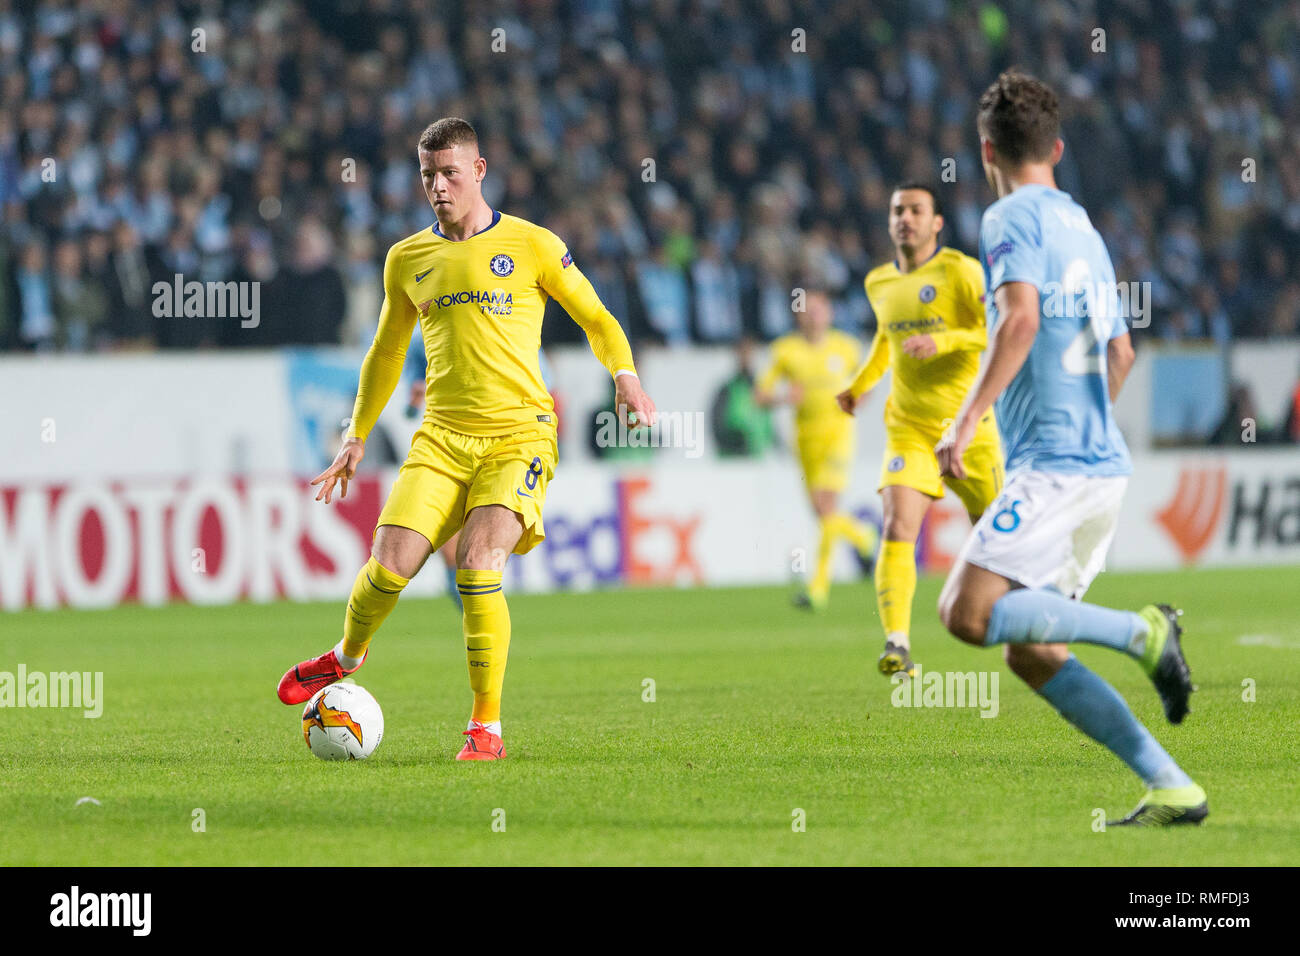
x=815 y=362
x=477 y=281
x=930 y=329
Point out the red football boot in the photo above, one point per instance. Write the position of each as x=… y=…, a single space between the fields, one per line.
x=303 y=680
x=482 y=744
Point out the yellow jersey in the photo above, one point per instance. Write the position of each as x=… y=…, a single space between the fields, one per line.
x=480 y=303
x=821 y=370
x=942 y=298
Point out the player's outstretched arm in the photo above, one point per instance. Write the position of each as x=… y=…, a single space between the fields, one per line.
x=610 y=345
x=765 y=389
x=561 y=279
x=868 y=376
x=382 y=368
x=1018 y=308
x=380 y=372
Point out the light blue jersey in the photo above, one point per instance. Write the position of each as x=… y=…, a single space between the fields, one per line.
x=1056 y=415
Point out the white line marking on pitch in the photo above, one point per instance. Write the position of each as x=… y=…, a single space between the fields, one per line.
x=1267 y=640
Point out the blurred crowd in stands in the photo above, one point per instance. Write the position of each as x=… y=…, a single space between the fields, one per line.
x=700 y=157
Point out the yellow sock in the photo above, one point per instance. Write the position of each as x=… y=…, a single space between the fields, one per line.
x=896 y=585
x=861 y=535
x=374 y=595
x=820 y=586
x=487 y=639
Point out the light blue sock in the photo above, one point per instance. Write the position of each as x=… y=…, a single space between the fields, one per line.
x=1096 y=708
x=1040 y=616
x=451 y=587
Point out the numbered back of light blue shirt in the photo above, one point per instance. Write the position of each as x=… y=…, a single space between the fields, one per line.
x=1056 y=413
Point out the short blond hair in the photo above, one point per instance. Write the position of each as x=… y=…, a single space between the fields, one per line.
x=448 y=132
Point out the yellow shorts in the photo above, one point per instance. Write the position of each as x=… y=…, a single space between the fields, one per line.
x=447 y=474
x=910 y=462
x=826 y=458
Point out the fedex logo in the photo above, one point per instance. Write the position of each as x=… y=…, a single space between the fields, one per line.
x=630 y=543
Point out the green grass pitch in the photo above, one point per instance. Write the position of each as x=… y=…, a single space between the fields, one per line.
x=759 y=711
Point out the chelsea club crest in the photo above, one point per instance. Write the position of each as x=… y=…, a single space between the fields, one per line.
x=502 y=265
x=927 y=293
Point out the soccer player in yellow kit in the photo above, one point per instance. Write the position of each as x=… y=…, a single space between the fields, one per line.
x=930 y=329
x=815 y=362
x=477 y=281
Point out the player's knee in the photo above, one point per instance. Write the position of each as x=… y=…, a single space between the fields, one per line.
x=1035 y=663
x=390 y=563
x=896 y=529
x=965 y=619
x=397 y=554
x=480 y=556
x=1020 y=662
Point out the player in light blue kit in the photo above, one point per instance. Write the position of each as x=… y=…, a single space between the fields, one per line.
x=1058 y=353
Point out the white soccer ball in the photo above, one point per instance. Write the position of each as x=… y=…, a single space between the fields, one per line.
x=343 y=722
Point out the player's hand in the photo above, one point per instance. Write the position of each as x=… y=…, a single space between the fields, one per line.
x=635 y=409
x=342 y=470
x=848 y=402
x=794 y=393
x=953 y=445
x=920 y=346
